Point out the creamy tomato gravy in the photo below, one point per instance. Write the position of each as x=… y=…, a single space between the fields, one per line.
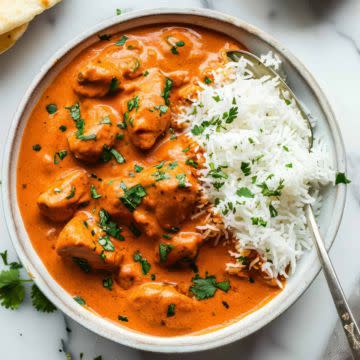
x=72 y=164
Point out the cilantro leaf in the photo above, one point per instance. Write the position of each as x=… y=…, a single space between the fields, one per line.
x=110 y=227
x=205 y=288
x=82 y=263
x=122 y=41
x=167 y=89
x=171 y=310
x=341 y=179
x=244 y=192
x=40 y=301
x=245 y=168
x=93 y=192
x=12 y=290
x=133 y=197
x=164 y=251
x=145 y=265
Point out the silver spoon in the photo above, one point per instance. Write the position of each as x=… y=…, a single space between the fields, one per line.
x=350 y=327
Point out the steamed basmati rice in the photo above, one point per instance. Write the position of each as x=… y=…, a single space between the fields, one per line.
x=258 y=169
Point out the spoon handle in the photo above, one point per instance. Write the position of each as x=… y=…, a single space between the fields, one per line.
x=347 y=319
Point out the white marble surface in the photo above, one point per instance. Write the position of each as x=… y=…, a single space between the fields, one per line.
x=325 y=35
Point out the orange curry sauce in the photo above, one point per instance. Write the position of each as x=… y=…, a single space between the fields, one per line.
x=185 y=56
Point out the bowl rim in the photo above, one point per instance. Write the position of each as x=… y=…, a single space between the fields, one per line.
x=122 y=335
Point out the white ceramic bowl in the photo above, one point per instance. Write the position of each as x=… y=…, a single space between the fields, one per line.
x=304 y=87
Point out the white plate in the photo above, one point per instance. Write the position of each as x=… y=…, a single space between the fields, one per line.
x=306 y=89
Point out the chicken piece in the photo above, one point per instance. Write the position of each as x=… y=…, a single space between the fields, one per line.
x=147 y=115
x=60 y=201
x=161 y=304
x=181 y=249
x=189 y=92
x=129 y=275
x=179 y=77
x=107 y=71
x=100 y=131
x=85 y=242
x=183 y=44
x=157 y=198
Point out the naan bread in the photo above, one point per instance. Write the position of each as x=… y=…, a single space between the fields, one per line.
x=14 y=13
x=8 y=39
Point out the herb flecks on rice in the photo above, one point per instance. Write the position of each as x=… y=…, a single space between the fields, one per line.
x=250 y=135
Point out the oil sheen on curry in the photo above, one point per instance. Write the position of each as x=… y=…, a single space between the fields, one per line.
x=108 y=188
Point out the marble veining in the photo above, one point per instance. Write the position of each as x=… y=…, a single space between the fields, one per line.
x=325 y=35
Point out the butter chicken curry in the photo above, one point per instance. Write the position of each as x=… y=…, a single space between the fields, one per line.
x=108 y=190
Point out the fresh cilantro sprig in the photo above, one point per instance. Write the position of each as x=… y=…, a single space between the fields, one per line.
x=205 y=288
x=40 y=301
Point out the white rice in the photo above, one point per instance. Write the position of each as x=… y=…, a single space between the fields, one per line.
x=270 y=136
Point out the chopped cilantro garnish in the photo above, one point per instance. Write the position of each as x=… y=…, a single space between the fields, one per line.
x=182 y=180
x=197 y=130
x=258 y=221
x=135 y=230
x=245 y=168
x=205 y=288
x=123 y=318
x=114 y=84
x=118 y=11
x=192 y=163
x=244 y=260
x=167 y=89
x=94 y=194
x=87 y=137
x=170 y=310
x=341 y=179
x=267 y=192
x=289 y=165
x=36 y=147
x=109 y=153
x=146 y=73
x=80 y=300
x=82 y=263
x=133 y=103
x=273 y=211
x=122 y=41
x=108 y=283
x=207 y=80
x=106 y=243
x=118 y=157
x=60 y=155
x=51 y=108
x=174 y=50
x=72 y=193
x=216 y=98
x=105 y=37
x=145 y=265
x=160 y=175
x=160 y=165
x=173 y=165
x=244 y=192
x=164 y=251
x=230 y=116
x=110 y=227
x=285 y=148
x=133 y=196
x=138 y=168
x=62 y=128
